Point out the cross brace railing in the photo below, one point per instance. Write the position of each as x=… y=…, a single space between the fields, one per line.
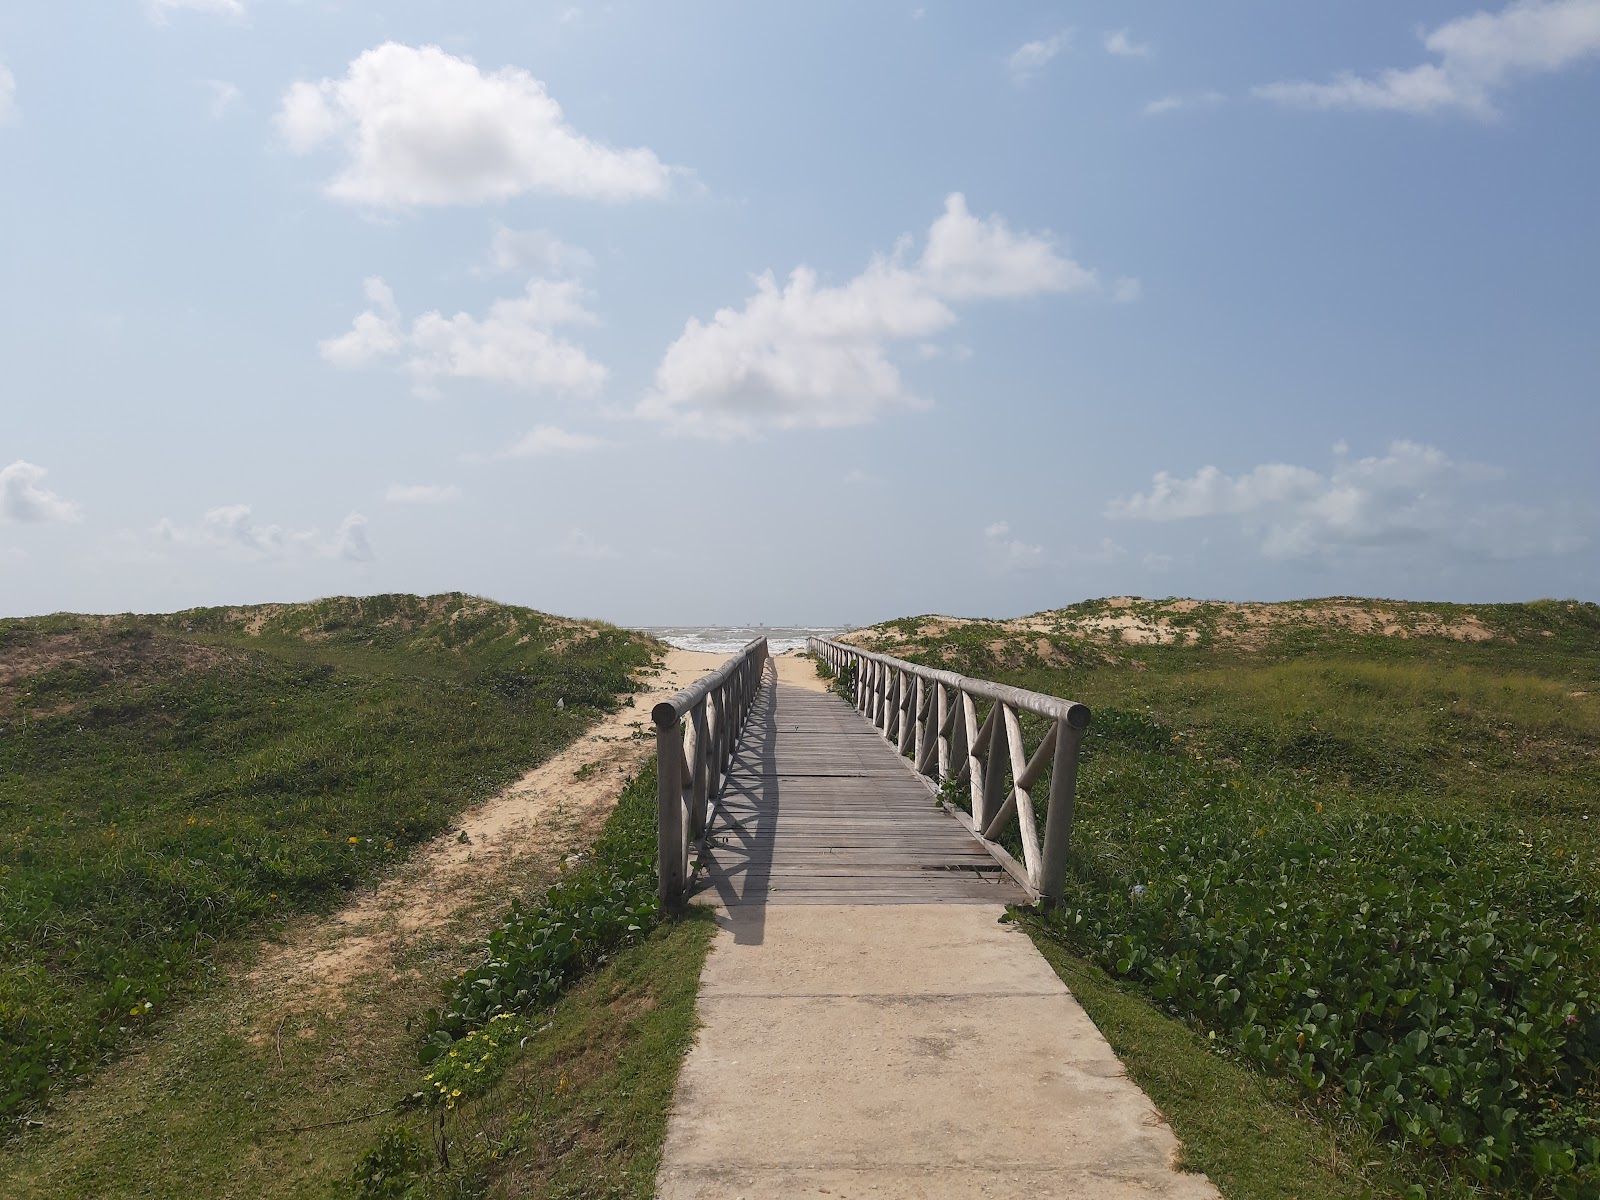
x=696 y=732
x=932 y=717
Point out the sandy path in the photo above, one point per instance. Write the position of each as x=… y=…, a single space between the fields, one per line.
x=795 y=669
x=550 y=810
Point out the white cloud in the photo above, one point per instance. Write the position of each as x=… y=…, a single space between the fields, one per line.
x=159 y=9
x=224 y=96
x=544 y=441
x=422 y=493
x=1031 y=57
x=515 y=343
x=8 y=95
x=422 y=127
x=1179 y=101
x=808 y=355
x=351 y=544
x=1413 y=495
x=1475 y=56
x=536 y=252
x=1119 y=43
x=1126 y=290
x=22 y=499
x=232 y=530
x=1010 y=553
x=579 y=544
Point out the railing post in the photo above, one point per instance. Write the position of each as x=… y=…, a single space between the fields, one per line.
x=670 y=850
x=1063 y=799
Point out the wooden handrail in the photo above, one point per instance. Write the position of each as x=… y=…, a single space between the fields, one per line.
x=932 y=716
x=696 y=732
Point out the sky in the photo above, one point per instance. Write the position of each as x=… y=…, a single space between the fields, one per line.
x=674 y=313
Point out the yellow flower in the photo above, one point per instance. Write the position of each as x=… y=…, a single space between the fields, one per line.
x=455 y=1093
x=355 y=841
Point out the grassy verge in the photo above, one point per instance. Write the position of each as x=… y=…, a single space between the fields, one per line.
x=1247 y=1132
x=581 y=1112
x=1348 y=843
x=496 y=1010
x=169 y=783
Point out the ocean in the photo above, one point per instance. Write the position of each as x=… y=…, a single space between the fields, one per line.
x=725 y=639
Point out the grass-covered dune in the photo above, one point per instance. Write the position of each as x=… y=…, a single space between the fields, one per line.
x=170 y=782
x=1352 y=843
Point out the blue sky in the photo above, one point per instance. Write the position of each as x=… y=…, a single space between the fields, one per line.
x=670 y=313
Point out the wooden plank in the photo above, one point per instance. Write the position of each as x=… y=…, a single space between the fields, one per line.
x=819 y=808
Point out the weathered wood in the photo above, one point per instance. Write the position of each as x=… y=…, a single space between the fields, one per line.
x=953 y=746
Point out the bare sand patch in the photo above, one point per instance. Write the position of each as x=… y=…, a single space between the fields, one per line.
x=798 y=670
x=556 y=806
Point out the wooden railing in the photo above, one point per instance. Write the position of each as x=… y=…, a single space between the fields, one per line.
x=696 y=732
x=932 y=717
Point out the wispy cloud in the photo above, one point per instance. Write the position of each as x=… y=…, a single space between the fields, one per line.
x=161 y=9
x=579 y=544
x=1007 y=552
x=422 y=493
x=1028 y=59
x=232 y=530
x=1119 y=43
x=224 y=96
x=1178 y=101
x=1412 y=496
x=544 y=441
x=8 y=95
x=1474 y=57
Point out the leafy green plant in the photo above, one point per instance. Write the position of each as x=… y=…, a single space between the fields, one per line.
x=394 y=1169
x=1432 y=976
x=537 y=949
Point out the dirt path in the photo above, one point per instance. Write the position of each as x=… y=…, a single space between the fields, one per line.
x=556 y=807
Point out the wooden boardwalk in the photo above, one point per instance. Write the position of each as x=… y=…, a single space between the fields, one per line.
x=818 y=809
x=869 y=1027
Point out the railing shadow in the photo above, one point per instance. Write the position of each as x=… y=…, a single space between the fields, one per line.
x=737 y=857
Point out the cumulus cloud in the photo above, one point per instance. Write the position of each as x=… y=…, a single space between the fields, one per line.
x=1413 y=495
x=8 y=95
x=422 y=127
x=1474 y=57
x=422 y=493
x=544 y=441
x=22 y=499
x=536 y=252
x=1179 y=101
x=233 y=530
x=1119 y=43
x=515 y=343
x=1028 y=59
x=804 y=354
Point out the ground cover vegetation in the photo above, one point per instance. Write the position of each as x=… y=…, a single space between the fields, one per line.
x=170 y=783
x=530 y=1092
x=1351 y=843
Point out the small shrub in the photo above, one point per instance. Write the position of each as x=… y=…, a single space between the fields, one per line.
x=394 y=1169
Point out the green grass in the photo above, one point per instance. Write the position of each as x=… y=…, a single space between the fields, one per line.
x=168 y=784
x=1245 y=1131
x=581 y=1112
x=1362 y=863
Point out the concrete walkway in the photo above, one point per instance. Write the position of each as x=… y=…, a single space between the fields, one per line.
x=903 y=1044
